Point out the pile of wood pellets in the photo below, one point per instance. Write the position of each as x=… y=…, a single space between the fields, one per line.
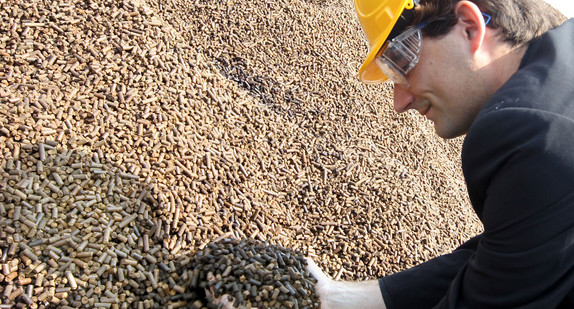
x=134 y=135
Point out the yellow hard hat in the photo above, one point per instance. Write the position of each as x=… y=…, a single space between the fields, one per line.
x=378 y=18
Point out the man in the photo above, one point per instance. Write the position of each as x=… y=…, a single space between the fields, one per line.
x=501 y=72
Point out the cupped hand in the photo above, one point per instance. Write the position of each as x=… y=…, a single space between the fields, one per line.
x=345 y=294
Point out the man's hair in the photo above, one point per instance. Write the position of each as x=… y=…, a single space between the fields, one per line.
x=519 y=21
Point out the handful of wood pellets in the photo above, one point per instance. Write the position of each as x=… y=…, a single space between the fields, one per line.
x=253 y=275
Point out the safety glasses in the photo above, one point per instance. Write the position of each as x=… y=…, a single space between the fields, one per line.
x=402 y=53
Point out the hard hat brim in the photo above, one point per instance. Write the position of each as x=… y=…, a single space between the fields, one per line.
x=369 y=73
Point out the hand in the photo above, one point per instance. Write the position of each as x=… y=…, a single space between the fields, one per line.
x=345 y=294
x=324 y=284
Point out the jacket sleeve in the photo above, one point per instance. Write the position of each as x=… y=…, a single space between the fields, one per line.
x=424 y=285
x=519 y=168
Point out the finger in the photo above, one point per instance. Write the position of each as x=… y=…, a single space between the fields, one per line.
x=316 y=271
x=224 y=301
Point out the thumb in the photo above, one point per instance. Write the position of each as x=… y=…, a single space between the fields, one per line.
x=314 y=270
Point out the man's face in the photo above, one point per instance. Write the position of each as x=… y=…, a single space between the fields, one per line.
x=445 y=86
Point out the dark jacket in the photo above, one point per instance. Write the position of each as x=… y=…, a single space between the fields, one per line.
x=518 y=162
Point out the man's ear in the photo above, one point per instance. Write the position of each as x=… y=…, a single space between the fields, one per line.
x=470 y=19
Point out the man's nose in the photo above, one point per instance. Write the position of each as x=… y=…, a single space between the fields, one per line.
x=403 y=99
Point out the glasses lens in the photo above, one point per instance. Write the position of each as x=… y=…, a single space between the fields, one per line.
x=391 y=71
x=401 y=55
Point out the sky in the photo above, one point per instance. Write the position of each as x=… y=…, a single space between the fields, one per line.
x=564 y=6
